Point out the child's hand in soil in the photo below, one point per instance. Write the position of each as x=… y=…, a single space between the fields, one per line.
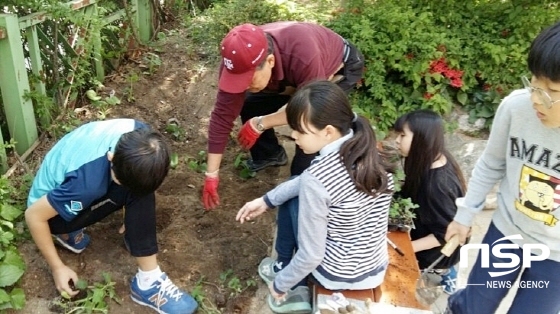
x=62 y=276
x=251 y=210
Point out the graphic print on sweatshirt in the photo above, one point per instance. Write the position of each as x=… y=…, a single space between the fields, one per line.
x=539 y=195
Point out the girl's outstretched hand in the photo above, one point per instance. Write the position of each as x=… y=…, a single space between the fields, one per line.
x=251 y=210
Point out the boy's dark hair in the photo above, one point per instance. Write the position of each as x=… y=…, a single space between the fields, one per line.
x=141 y=160
x=426 y=146
x=323 y=103
x=544 y=54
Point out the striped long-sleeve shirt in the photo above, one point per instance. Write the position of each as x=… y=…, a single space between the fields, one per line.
x=341 y=231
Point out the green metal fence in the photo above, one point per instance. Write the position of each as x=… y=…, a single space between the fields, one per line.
x=22 y=53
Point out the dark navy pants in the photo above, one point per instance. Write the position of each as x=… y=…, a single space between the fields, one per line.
x=286 y=234
x=139 y=219
x=480 y=298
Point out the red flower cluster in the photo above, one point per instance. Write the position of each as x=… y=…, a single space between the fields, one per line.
x=440 y=66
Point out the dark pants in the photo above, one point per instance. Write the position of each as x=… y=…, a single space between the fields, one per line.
x=264 y=103
x=286 y=233
x=480 y=298
x=139 y=219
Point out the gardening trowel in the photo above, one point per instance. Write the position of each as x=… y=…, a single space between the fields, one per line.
x=426 y=291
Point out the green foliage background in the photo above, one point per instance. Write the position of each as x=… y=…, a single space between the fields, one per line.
x=487 y=40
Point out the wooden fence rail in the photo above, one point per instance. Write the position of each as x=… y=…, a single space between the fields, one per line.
x=14 y=64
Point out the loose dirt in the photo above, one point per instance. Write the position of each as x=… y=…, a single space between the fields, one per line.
x=198 y=248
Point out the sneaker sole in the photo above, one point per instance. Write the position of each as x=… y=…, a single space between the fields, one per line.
x=272 y=164
x=291 y=309
x=148 y=305
x=68 y=247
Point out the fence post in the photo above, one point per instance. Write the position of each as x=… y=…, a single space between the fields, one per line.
x=36 y=65
x=3 y=157
x=143 y=19
x=14 y=83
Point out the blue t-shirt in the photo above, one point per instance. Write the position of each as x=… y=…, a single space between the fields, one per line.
x=76 y=171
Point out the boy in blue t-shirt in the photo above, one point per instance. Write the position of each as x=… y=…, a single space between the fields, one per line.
x=90 y=173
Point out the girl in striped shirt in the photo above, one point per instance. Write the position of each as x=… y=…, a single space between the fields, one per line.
x=344 y=198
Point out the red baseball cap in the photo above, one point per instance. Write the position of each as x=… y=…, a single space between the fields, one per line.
x=243 y=50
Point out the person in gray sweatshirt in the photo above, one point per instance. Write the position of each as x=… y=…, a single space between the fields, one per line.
x=344 y=198
x=523 y=156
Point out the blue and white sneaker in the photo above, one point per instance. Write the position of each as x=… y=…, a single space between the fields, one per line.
x=268 y=269
x=77 y=241
x=449 y=280
x=163 y=296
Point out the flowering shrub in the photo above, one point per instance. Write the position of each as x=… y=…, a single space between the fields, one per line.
x=435 y=54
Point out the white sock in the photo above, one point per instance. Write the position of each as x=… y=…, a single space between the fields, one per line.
x=146 y=279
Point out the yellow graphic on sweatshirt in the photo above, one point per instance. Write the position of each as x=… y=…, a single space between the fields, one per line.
x=539 y=196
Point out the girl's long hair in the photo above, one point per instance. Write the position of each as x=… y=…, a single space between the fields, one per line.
x=323 y=103
x=426 y=147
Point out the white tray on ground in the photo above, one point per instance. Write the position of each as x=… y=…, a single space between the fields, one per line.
x=373 y=308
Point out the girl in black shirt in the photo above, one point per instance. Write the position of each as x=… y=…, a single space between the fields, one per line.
x=433 y=181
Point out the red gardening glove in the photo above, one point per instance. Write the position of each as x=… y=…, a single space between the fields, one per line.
x=248 y=135
x=210 y=197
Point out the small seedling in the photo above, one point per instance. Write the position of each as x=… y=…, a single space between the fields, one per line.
x=241 y=164
x=152 y=61
x=198 y=163
x=95 y=300
x=102 y=104
x=176 y=131
x=205 y=305
x=174 y=160
x=229 y=281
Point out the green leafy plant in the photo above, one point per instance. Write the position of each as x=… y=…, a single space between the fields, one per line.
x=151 y=61
x=447 y=54
x=96 y=297
x=208 y=28
x=240 y=163
x=176 y=131
x=401 y=211
x=103 y=104
x=230 y=282
x=198 y=163
x=174 y=160
x=12 y=265
x=205 y=305
x=129 y=90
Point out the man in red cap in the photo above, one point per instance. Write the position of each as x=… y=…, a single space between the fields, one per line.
x=261 y=68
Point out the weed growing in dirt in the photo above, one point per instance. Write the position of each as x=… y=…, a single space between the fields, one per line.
x=95 y=300
x=132 y=78
x=241 y=164
x=231 y=283
x=152 y=62
x=204 y=304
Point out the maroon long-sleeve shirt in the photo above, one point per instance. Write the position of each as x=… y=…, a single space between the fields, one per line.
x=303 y=52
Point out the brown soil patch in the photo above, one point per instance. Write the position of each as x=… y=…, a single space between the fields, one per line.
x=196 y=247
